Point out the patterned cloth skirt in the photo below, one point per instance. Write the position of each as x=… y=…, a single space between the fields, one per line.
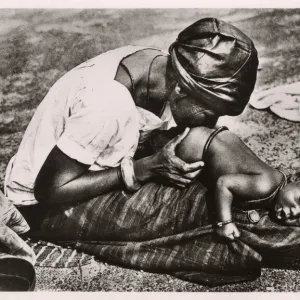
x=167 y=230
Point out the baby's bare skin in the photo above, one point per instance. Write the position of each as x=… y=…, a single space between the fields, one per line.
x=287 y=203
x=235 y=172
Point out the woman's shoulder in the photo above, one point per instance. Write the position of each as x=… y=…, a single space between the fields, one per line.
x=109 y=96
x=144 y=54
x=114 y=55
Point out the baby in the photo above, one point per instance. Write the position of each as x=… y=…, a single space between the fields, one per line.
x=237 y=175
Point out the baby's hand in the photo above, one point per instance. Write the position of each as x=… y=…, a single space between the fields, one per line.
x=228 y=231
x=287 y=202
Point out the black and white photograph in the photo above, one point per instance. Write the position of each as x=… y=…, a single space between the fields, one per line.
x=192 y=185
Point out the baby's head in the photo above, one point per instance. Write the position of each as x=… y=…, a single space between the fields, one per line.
x=287 y=201
x=188 y=112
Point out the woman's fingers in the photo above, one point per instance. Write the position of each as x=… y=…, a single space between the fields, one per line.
x=188 y=168
x=176 y=175
x=184 y=167
x=177 y=171
x=192 y=175
x=179 y=180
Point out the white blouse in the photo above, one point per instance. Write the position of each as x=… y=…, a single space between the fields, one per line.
x=90 y=117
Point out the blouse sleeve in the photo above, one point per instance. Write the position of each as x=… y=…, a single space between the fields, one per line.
x=96 y=121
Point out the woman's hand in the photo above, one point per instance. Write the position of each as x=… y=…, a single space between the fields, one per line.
x=167 y=165
x=65 y=180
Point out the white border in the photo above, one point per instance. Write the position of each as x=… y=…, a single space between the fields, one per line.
x=47 y=4
x=147 y=296
x=149 y=4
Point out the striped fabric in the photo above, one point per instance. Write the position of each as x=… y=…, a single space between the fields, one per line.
x=164 y=229
x=55 y=256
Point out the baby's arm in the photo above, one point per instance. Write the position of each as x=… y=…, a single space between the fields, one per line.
x=239 y=185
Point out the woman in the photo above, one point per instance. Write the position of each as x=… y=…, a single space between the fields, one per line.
x=75 y=181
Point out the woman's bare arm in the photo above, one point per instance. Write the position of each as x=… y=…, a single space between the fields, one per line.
x=65 y=180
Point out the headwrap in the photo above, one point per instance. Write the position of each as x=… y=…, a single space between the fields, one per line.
x=216 y=64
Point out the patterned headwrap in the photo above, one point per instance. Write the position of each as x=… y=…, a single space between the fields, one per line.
x=216 y=64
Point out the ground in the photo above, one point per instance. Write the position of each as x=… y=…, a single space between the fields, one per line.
x=38 y=46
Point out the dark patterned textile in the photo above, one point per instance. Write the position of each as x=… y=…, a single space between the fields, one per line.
x=164 y=229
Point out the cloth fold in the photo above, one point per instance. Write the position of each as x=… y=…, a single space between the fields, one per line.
x=13 y=224
x=167 y=230
x=284 y=101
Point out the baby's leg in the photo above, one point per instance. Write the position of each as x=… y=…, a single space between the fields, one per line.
x=191 y=148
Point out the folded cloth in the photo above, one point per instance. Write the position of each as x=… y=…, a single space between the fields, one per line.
x=13 y=245
x=12 y=224
x=284 y=101
x=16 y=275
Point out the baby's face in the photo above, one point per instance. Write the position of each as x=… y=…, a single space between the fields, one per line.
x=287 y=201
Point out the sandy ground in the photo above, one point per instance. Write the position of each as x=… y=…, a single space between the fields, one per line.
x=58 y=40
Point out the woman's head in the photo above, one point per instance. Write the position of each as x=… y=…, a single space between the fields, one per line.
x=188 y=112
x=215 y=65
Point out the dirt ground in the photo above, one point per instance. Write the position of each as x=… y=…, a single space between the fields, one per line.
x=38 y=46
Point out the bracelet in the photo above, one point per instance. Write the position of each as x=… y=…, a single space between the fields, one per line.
x=127 y=172
x=221 y=224
x=120 y=177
